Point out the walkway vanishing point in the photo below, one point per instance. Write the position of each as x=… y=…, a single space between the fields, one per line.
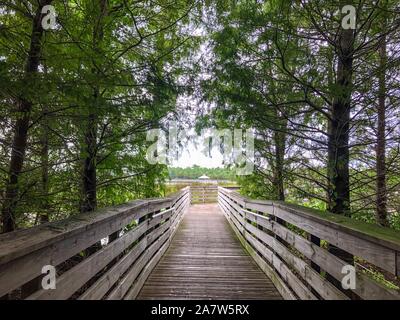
x=226 y=247
x=206 y=261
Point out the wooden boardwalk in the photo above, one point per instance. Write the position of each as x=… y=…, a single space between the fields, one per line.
x=202 y=258
x=206 y=261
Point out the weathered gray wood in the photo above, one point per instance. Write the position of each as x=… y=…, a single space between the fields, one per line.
x=21 y=242
x=107 y=280
x=297 y=286
x=19 y=271
x=366 y=287
x=126 y=282
x=377 y=254
x=25 y=252
x=277 y=281
x=202 y=194
x=154 y=234
x=385 y=237
x=258 y=205
x=143 y=266
x=324 y=288
x=237 y=209
x=160 y=217
x=240 y=200
x=378 y=237
x=203 y=258
x=139 y=250
x=138 y=284
x=99 y=289
x=301 y=290
x=73 y=279
x=238 y=220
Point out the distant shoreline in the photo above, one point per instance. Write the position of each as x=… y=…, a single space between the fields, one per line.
x=213 y=181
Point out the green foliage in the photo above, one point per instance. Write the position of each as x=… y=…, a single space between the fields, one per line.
x=275 y=69
x=195 y=172
x=109 y=72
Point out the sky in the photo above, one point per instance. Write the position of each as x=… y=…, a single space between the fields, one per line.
x=192 y=155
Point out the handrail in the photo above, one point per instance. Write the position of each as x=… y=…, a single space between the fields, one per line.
x=134 y=236
x=108 y=254
x=277 y=235
x=203 y=194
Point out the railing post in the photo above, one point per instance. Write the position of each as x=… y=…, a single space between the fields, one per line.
x=275 y=243
x=317 y=241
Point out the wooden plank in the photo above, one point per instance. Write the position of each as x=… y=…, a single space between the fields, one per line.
x=187 y=257
x=73 y=279
x=366 y=287
x=237 y=210
x=138 y=284
x=232 y=203
x=263 y=221
x=233 y=217
x=383 y=236
x=298 y=287
x=181 y=198
x=264 y=206
x=285 y=273
x=200 y=261
x=234 y=196
x=260 y=247
x=159 y=217
x=377 y=254
x=324 y=288
x=184 y=201
x=23 y=269
x=181 y=209
x=97 y=290
x=125 y=283
x=21 y=242
x=266 y=268
x=58 y=241
x=121 y=289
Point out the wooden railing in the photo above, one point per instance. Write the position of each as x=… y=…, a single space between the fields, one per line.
x=107 y=254
x=204 y=194
x=277 y=235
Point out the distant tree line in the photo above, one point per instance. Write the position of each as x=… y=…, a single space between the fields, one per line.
x=195 y=172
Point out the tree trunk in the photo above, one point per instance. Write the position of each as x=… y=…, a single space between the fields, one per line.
x=89 y=202
x=338 y=144
x=89 y=176
x=44 y=155
x=22 y=124
x=338 y=140
x=381 y=193
x=280 y=145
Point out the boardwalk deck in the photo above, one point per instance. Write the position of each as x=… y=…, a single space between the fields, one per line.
x=202 y=258
x=206 y=261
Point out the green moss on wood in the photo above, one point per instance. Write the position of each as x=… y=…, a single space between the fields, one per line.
x=369 y=229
